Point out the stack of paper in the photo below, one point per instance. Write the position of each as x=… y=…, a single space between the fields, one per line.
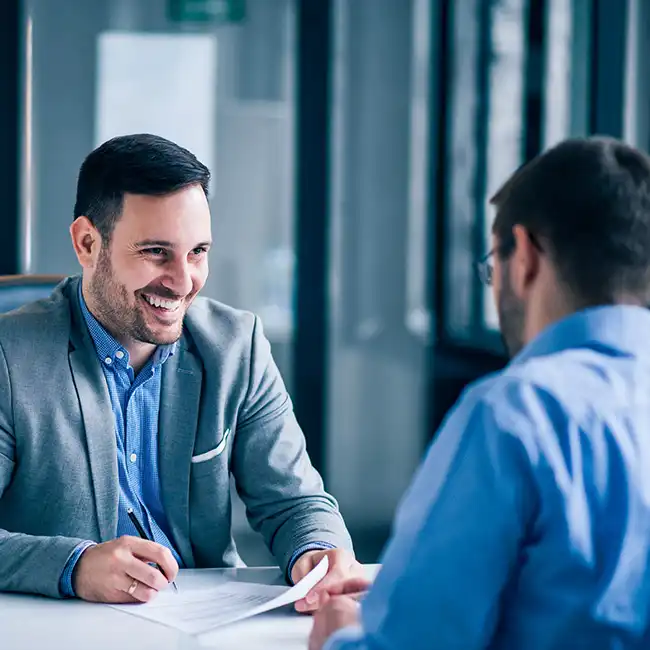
x=201 y=610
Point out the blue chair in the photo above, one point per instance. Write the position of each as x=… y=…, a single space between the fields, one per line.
x=18 y=290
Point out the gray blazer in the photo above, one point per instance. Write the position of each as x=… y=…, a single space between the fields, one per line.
x=224 y=409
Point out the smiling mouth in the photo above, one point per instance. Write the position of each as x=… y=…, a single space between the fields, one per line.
x=161 y=304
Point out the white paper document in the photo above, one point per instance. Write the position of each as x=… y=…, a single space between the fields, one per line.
x=200 y=610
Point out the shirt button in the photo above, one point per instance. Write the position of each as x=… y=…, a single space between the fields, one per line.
x=133 y=458
x=108 y=361
x=119 y=354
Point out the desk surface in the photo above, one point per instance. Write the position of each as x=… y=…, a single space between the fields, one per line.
x=34 y=623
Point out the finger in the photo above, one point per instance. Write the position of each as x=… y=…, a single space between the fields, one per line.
x=141 y=593
x=323 y=591
x=331 y=583
x=342 y=578
x=312 y=602
x=353 y=585
x=301 y=606
x=319 y=594
x=156 y=553
x=146 y=574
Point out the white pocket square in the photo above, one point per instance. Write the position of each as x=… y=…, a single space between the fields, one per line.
x=201 y=458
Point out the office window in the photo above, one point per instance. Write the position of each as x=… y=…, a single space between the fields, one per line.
x=637 y=89
x=380 y=325
x=505 y=87
x=519 y=83
x=486 y=143
x=541 y=61
x=567 y=68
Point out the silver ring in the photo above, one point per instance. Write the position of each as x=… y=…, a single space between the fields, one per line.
x=132 y=588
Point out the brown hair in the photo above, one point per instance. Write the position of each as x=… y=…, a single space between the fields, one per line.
x=587 y=201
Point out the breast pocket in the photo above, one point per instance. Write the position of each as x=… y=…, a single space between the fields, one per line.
x=205 y=461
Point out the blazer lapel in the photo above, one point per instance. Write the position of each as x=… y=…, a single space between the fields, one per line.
x=178 y=420
x=98 y=420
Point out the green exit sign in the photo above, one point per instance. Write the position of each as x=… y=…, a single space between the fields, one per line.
x=207 y=11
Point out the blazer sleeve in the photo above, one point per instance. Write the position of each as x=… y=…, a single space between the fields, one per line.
x=27 y=563
x=283 y=493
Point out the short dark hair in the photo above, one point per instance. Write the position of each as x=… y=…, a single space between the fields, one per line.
x=587 y=201
x=133 y=164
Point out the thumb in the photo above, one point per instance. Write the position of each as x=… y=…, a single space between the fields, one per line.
x=302 y=566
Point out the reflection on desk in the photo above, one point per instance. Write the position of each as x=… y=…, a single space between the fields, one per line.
x=35 y=623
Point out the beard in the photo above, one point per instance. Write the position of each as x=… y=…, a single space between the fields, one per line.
x=121 y=317
x=511 y=315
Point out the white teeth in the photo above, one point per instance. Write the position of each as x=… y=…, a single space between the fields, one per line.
x=170 y=305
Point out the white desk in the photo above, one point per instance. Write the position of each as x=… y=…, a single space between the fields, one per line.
x=34 y=623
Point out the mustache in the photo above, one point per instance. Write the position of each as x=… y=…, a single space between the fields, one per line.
x=161 y=292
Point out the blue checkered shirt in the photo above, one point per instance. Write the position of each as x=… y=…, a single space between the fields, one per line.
x=136 y=403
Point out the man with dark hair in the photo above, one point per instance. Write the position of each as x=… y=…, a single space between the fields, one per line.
x=528 y=524
x=126 y=404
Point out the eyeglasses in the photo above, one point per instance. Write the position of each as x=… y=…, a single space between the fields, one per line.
x=485 y=267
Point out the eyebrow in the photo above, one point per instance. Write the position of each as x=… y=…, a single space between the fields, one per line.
x=163 y=243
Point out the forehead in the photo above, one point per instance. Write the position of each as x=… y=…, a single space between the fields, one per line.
x=183 y=216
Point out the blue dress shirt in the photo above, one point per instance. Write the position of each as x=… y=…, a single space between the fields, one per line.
x=528 y=523
x=135 y=401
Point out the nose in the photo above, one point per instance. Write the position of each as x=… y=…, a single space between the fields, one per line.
x=179 y=277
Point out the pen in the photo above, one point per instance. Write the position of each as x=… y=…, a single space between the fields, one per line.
x=141 y=532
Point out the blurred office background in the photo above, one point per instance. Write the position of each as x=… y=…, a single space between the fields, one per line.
x=353 y=144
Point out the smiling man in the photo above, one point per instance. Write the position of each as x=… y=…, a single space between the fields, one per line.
x=124 y=396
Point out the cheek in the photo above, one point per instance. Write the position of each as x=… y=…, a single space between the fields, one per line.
x=199 y=276
x=136 y=274
x=496 y=282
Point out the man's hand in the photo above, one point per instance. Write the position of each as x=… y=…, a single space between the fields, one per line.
x=119 y=571
x=342 y=567
x=339 y=612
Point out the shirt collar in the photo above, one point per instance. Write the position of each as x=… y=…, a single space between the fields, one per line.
x=620 y=328
x=107 y=347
